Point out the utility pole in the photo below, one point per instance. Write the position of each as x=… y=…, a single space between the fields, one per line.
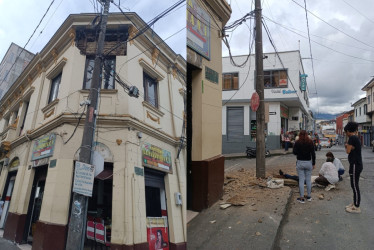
x=260 y=114
x=78 y=215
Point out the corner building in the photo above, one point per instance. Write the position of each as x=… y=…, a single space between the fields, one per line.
x=205 y=175
x=141 y=190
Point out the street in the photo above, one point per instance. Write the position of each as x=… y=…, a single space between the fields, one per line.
x=324 y=224
x=274 y=220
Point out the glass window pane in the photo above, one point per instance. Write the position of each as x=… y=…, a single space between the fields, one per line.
x=275 y=78
x=227 y=81
x=235 y=81
x=89 y=73
x=283 y=81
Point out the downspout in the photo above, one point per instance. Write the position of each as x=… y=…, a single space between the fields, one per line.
x=171 y=102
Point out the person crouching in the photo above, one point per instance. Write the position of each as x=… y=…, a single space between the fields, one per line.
x=328 y=175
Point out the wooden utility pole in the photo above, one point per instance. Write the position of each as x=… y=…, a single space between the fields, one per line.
x=78 y=215
x=260 y=114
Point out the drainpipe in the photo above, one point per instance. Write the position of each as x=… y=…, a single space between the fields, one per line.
x=171 y=101
x=180 y=176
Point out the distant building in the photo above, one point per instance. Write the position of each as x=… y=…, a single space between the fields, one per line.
x=363 y=119
x=14 y=62
x=286 y=100
x=340 y=127
x=370 y=105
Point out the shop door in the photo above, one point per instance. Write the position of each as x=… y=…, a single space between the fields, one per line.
x=156 y=210
x=36 y=200
x=8 y=196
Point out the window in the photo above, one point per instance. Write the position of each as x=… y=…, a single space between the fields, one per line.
x=365 y=109
x=369 y=99
x=150 y=90
x=54 y=88
x=360 y=110
x=108 y=69
x=230 y=81
x=275 y=79
x=356 y=112
x=24 y=118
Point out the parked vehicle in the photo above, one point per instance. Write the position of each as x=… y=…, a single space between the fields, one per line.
x=251 y=152
x=324 y=142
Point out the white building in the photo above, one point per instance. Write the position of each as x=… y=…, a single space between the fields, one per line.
x=286 y=100
x=363 y=119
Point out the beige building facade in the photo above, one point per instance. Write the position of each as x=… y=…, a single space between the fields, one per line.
x=205 y=21
x=141 y=191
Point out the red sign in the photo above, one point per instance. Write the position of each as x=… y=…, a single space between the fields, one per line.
x=158 y=238
x=255 y=101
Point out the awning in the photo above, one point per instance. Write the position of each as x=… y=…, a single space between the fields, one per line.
x=105 y=175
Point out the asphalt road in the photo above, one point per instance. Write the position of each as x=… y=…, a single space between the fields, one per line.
x=324 y=224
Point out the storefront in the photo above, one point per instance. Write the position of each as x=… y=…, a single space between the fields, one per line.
x=157 y=164
x=8 y=190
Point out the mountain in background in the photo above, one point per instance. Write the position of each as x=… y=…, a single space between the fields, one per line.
x=322 y=116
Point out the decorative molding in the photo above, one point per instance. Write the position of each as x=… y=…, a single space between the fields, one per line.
x=155 y=110
x=155 y=119
x=119 y=141
x=54 y=54
x=150 y=70
x=132 y=33
x=72 y=35
x=155 y=54
x=49 y=113
x=39 y=69
x=56 y=69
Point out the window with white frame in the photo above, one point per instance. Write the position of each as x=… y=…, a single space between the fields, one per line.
x=55 y=85
x=369 y=96
x=230 y=81
x=275 y=79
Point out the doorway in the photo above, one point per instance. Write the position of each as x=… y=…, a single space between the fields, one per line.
x=36 y=200
x=8 y=195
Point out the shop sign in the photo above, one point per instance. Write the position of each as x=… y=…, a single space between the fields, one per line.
x=198 y=29
x=83 y=178
x=285 y=92
x=158 y=238
x=43 y=147
x=155 y=157
x=283 y=82
x=303 y=82
x=211 y=75
x=284 y=112
x=14 y=164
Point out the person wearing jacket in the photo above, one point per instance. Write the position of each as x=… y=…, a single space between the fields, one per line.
x=306 y=161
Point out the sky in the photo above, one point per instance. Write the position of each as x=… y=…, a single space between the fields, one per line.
x=341 y=37
x=18 y=20
x=339 y=78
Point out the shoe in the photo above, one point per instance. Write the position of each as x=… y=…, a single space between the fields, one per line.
x=301 y=200
x=350 y=205
x=281 y=172
x=309 y=198
x=329 y=187
x=353 y=209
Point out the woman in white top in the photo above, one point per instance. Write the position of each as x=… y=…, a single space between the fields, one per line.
x=328 y=175
x=338 y=164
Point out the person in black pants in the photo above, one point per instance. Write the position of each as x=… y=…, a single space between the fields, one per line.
x=353 y=149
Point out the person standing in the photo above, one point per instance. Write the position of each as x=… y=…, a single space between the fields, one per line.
x=286 y=141
x=353 y=149
x=306 y=161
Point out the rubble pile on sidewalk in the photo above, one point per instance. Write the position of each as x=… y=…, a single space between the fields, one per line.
x=241 y=187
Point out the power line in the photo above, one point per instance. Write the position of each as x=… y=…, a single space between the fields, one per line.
x=316 y=41
x=333 y=26
x=27 y=41
x=310 y=47
x=358 y=11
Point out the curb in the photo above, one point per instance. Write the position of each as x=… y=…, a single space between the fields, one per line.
x=286 y=211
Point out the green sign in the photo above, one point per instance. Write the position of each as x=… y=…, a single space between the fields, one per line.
x=139 y=171
x=211 y=75
x=155 y=157
x=43 y=147
x=303 y=82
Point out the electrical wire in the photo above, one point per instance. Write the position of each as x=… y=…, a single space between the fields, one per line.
x=75 y=129
x=317 y=42
x=45 y=13
x=310 y=47
x=329 y=24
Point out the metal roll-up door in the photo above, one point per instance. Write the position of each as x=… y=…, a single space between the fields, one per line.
x=235 y=124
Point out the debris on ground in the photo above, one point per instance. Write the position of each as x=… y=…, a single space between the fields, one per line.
x=258 y=233
x=237 y=200
x=224 y=206
x=275 y=183
x=212 y=221
x=321 y=196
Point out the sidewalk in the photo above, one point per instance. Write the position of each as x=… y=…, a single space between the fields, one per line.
x=273 y=152
x=8 y=245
